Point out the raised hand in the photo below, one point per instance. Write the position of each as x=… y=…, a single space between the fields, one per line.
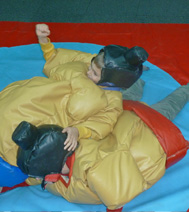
x=42 y=32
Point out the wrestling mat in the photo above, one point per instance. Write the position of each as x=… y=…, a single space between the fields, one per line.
x=171 y=193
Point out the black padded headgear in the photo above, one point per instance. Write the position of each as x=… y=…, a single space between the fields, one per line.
x=41 y=149
x=122 y=66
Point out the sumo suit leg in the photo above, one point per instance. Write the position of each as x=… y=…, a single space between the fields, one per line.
x=173 y=103
x=135 y=92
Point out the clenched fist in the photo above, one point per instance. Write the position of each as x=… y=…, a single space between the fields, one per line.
x=42 y=32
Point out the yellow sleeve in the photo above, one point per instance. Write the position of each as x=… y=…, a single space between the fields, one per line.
x=48 y=49
x=84 y=132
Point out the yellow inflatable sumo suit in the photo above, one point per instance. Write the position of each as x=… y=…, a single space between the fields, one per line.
x=66 y=98
x=123 y=156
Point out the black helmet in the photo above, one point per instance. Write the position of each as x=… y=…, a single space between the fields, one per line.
x=122 y=66
x=41 y=149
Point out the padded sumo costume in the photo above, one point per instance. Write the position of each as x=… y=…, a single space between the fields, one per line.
x=137 y=145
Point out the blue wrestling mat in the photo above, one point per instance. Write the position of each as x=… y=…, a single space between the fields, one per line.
x=171 y=193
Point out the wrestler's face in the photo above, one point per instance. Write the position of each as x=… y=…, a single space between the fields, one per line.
x=94 y=73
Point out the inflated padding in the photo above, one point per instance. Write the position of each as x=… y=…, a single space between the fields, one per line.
x=169 y=136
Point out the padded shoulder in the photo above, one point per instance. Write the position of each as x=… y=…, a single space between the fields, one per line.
x=63 y=56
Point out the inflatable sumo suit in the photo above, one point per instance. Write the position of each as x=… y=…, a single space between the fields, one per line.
x=128 y=151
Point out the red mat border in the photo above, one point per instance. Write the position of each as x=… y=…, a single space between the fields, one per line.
x=167 y=44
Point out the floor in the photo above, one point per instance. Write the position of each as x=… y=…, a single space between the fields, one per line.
x=96 y=11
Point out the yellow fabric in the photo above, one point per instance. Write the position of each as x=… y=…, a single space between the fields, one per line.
x=48 y=49
x=56 y=57
x=127 y=160
x=67 y=98
x=84 y=132
x=124 y=164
